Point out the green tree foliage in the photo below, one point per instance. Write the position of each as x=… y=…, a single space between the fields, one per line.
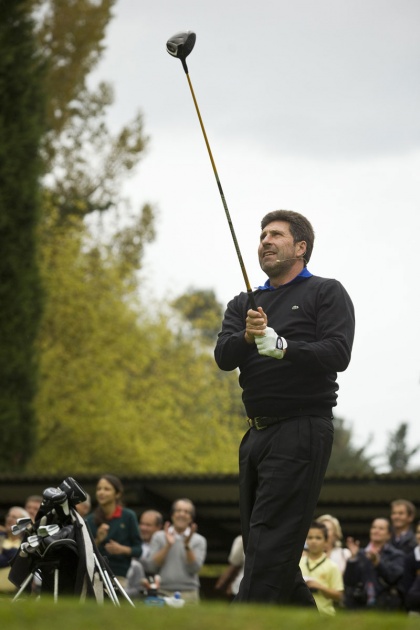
x=201 y=309
x=85 y=162
x=346 y=459
x=397 y=451
x=124 y=387
x=122 y=390
x=21 y=127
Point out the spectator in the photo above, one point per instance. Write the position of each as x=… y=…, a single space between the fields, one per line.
x=231 y=578
x=9 y=546
x=150 y=522
x=412 y=577
x=114 y=527
x=32 y=505
x=178 y=553
x=334 y=549
x=373 y=576
x=403 y=513
x=322 y=575
x=84 y=507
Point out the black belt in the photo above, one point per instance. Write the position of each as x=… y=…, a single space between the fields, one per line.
x=262 y=422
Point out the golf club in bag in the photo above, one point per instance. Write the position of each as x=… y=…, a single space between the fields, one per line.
x=59 y=554
x=180 y=46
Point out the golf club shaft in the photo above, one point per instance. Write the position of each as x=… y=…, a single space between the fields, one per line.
x=219 y=185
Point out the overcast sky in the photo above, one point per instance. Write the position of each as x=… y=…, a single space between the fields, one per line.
x=310 y=105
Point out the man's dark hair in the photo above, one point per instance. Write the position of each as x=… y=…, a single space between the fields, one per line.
x=321 y=527
x=300 y=228
x=409 y=506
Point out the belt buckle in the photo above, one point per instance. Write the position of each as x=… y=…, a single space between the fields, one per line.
x=254 y=422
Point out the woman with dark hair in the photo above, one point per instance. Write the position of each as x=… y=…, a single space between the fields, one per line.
x=114 y=527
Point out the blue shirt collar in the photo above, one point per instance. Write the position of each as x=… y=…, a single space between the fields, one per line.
x=303 y=275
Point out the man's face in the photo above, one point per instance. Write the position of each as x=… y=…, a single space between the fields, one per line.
x=32 y=508
x=379 y=531
x=147 y=526
x=400 y=518
x=182 y=515
x=276 y=245
x=315 y=541
x=11 y=518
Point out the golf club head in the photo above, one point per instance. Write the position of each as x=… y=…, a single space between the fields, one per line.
x=54 y=496
x=180 y=45
x=48 y=530
x=33 y=541
x=73 y=490
x=21 y=525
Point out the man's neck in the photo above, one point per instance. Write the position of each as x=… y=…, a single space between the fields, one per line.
x=400 y=532
x=288 y=275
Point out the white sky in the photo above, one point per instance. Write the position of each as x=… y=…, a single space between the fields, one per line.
x=310 y=105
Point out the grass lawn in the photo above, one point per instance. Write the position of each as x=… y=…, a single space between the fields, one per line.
x=69 y=614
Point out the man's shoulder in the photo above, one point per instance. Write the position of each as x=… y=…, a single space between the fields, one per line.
x=392 y=552
x=196 y=537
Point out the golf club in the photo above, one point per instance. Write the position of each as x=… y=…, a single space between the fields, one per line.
x=48 y=530
x=180 y=46
x=21 y=524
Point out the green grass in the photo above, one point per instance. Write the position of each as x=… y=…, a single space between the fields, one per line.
x=69 y=614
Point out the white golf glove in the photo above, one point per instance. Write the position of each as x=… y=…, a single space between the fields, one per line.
x=271 y=345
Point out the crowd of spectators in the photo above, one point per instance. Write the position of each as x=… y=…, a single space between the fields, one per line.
x=342 y=574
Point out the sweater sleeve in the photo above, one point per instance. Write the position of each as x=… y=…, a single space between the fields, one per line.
x=335 y=324
x=199 y=547
x=231 y=347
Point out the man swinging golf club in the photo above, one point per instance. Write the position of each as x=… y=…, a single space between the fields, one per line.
x=288 y=352
x=288 y=339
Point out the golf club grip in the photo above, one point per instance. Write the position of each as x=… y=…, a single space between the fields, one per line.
x=219 y=185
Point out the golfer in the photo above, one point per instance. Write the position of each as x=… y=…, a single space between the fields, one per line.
x=288 y=353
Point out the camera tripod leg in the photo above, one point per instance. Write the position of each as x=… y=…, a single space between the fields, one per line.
x=23 y=586
x=123 y=592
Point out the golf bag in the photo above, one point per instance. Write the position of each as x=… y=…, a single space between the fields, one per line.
x=58 y=554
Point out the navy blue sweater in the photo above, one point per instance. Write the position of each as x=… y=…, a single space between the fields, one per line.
x=316 y=317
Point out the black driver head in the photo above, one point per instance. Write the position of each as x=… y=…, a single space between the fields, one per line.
x=180 y=46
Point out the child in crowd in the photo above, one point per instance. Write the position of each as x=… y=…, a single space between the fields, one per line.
x=322 y=576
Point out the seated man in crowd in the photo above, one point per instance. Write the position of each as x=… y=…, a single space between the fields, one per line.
x=9 y=546
x=373 y=576
x=150 y=522
x=177 y=553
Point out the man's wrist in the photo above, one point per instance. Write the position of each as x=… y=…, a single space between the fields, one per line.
x=249 y=338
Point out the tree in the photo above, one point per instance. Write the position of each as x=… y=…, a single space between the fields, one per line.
x=85 y=162
x=346 y=459
x=397 y=451
x=21 y=129
x=122 y=388
x=200 y=308
x=123 y=391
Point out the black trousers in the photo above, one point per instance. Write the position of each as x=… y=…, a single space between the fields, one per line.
x=281 y=471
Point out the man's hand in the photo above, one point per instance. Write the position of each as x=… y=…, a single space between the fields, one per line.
x=170 y=536
x=255 y=324
x=268 y=345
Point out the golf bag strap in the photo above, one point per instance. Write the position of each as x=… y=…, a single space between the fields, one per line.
x=91 y=576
